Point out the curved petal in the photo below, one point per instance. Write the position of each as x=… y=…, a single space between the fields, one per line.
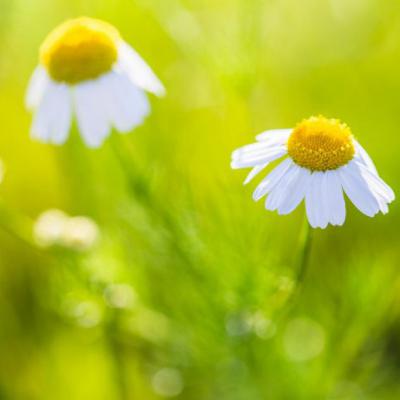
x=253 y=150
x=382 y=192
x=62 y=124
x=92 y=113
x=324 y=197
x=53 y=117
x=280 y=190
x=376 y=183
x=255 y=171
x=272 y=179
x=253 y=158
x=127 y=105
x=296 y=191
x=315 y=207
x=357 y=189
x=138 y=71
x=250 y=151
x=280 y=135
x=261 y=152
x=364 y=157
x=334 y=198
x=37 y=86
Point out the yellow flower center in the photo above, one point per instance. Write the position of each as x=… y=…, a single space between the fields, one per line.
x=80 y=49
x=321 y=144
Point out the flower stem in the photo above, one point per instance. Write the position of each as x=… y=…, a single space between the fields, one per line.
x=117 y=354
x=136 y=182
x=304 y=251
x=158 y=210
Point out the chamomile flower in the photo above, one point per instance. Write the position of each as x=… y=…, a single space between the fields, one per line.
x=89 y=72
x=323 y=161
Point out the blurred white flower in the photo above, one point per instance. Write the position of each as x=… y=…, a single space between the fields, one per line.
x=54 y=227
x=323 y=160
x=49 y=227
x=79 y=233
x=87 y=69
x=167 y=382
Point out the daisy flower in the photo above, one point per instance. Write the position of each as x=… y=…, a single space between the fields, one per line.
x=88 y=72
x=323 y=160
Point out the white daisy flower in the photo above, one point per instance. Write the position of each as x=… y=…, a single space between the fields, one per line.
x=323 y=160
x=89 y=72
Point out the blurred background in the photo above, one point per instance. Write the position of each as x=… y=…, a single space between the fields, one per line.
x=143 y=270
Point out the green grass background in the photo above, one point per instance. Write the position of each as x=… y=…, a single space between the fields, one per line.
x=178 y=226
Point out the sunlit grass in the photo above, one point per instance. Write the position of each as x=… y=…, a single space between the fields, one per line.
x=185 y=291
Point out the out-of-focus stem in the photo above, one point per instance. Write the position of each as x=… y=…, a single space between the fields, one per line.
x=75 y=166
x=137 y=184
x=141 y=190
x=159 y=212
x=304 y=251
x=117 y=354
x=303 y=260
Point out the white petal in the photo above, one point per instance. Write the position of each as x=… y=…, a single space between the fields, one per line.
x=381 y=191
x=334 y=197
x=272 y=179
x=252 y=150
x=364 y=157
x=282 y=191
x=315 y=208
x=36 y=88
x=280 y=135
x=138 y=71
x=92 y=113
x=357 y=189
x=259 y=157
x=256 y=170
x=127 y=105
x=62 y=124
x=324 y=203
x=376 y=183
x=273 y=199
x=52 y=120
x=251 y=155
x=296 y=190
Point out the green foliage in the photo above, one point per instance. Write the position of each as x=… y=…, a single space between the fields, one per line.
x=187 y=292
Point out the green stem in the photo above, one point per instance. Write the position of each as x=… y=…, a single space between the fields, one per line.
x=137 y=184
x=117 y=353
x=77 y=170
x=141 y=191
x=304 y=252
x=303 y=260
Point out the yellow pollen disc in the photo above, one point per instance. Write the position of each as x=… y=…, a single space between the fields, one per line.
x=321 y=144
x=79 y=50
